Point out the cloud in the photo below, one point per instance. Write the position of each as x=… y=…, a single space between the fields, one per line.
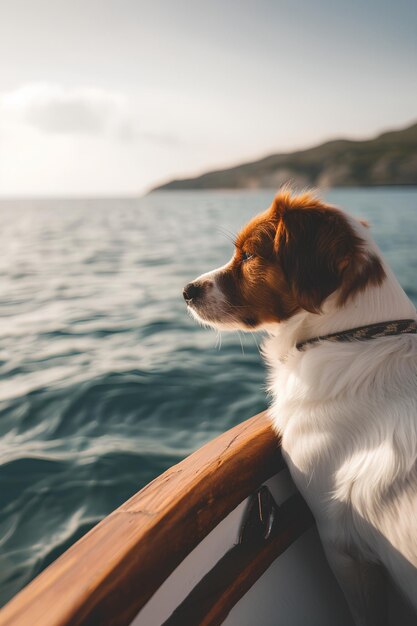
x=67 y=111
x=57 y=110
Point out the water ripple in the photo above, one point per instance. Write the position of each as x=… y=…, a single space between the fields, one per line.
x=104 y=380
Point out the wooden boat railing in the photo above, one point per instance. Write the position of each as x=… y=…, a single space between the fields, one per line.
x=109 y=574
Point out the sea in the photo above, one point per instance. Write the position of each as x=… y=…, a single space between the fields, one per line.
x=105 y=380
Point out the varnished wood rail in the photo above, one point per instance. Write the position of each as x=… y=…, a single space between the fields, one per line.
x=110 y=573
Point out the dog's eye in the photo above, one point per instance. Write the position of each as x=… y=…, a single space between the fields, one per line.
x=246 y=256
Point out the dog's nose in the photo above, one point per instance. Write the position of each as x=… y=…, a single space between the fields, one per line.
x=192 y=291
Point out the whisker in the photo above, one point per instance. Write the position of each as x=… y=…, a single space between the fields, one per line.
x=255 y=339
x=227 y=233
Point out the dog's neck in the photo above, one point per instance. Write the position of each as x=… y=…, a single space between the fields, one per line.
x=382 y=303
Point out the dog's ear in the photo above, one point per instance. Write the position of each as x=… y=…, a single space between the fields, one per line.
x=319 y=253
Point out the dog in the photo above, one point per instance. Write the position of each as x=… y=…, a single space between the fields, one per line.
x=342 y=355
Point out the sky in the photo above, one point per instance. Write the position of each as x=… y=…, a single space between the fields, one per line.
x=111 y=97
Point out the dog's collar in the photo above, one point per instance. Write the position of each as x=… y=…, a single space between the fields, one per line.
x=370 y=331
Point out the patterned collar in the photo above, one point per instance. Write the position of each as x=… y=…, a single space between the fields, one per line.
x=370 y=331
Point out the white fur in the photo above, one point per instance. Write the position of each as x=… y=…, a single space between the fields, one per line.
x=215 y=310
x=347 y=415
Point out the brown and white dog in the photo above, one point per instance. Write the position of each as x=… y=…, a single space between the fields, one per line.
x=346 y=411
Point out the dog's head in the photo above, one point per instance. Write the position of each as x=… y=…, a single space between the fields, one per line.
x=287 y=259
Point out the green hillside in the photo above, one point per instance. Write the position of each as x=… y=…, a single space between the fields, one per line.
x=390 y=159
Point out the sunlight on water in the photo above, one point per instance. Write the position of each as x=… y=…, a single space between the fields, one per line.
x=104 y=379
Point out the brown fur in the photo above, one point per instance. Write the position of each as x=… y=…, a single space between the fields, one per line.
x=304 y=250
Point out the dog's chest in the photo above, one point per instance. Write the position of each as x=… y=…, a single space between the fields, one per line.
x=318 y=447
x=306 y=448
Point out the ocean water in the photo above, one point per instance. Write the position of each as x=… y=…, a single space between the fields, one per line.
x=105 y=381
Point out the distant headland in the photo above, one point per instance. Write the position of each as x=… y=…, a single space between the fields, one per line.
x=389 y=159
